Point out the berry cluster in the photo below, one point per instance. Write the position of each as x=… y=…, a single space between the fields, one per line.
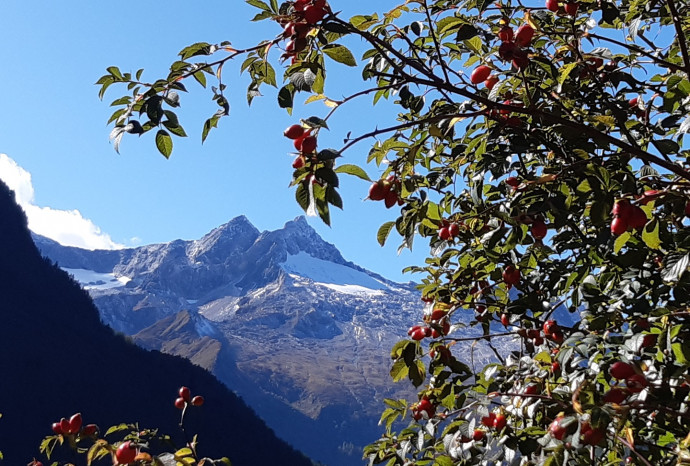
x=448 y=231
x=627 y=216
x=185 y=398
x=304 y=142
x=303 y=16
x=387 y=190
x=514 y=44
x=73 y=426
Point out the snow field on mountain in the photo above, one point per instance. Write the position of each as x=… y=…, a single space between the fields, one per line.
x=334 y=276
x=91 y=280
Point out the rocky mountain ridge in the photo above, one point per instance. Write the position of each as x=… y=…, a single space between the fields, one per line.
x=281 y=317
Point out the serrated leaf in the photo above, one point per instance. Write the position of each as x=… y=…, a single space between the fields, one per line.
x=384 y=232
x=341 y=54
x=675 y=268
x=399 y=370
x=164 y=143
x=353 y=170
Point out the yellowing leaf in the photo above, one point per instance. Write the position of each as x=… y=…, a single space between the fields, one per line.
x=314 y=98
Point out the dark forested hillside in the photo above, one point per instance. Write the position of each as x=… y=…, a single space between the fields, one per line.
x=57 y=358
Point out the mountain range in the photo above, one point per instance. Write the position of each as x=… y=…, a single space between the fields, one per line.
x=301 y=334
x=57 y=358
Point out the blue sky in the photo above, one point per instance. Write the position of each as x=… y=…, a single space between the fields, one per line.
x=53 y=126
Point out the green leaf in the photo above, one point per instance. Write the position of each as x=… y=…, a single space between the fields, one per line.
x=164 y=143
x=666 y=146
x=565 y=71
x=353 y=170
x=200 y=48
x=208 y=124
x=259 y=4
x=384 y=232
x=341 y=54
x=675 y=267
x=620 y=242
x=327 y=154
x=285 y=97
x=443 y=461
x=650 y=234
x=200 y=78
x=115 y=71
x=399 y=370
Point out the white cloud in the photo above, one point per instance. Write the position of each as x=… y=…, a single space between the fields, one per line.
x=67 y=227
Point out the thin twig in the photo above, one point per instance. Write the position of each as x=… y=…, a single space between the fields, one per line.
x=680 y=35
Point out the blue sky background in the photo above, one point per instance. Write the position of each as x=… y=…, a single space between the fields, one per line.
x=54 y=126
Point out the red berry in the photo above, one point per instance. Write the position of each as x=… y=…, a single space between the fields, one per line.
x=438 y=314
x=478 y=435
x=512 y=181
x=377 y=191
x=391 y=199
x=524 y=34
x=532 y=389
x=636 y=383
x=489 y=420
x=198 y=400
x=126 y=453
x=506 y=50
x=57 y=428
x=533 y=333
x=75 y=423
x=538 y=231
x=538 y=341
x=555 y=367
x=591 y=436
x=550 y=326
x=453 y=230
x=621 y=370
x=491 y=82
x=298 y=162
x=552 y=5
x=293 y=132
x=615 y=395
x=520 y=59
x=418 y=334
x=619 y=225
x=185 y=393
x=313 y=14
x=557 y=337
x=180 y=403
x=511 y=275
x=638 y=218
x=505 y=320
x=634 y=102
x=649 y=340
x=480 y=74
x=64 y=426
x=622 y=208
x=444 y=234
x=89 y=429
x=571 y=8
x=307 y=145
x=505 y=34
x=500 y=422
x=556 y=430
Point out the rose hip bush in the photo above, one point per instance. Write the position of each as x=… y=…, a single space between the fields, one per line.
x=538 y=147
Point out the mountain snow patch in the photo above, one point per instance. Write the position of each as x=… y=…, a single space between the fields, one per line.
x=335 y=276
x=91 y=280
